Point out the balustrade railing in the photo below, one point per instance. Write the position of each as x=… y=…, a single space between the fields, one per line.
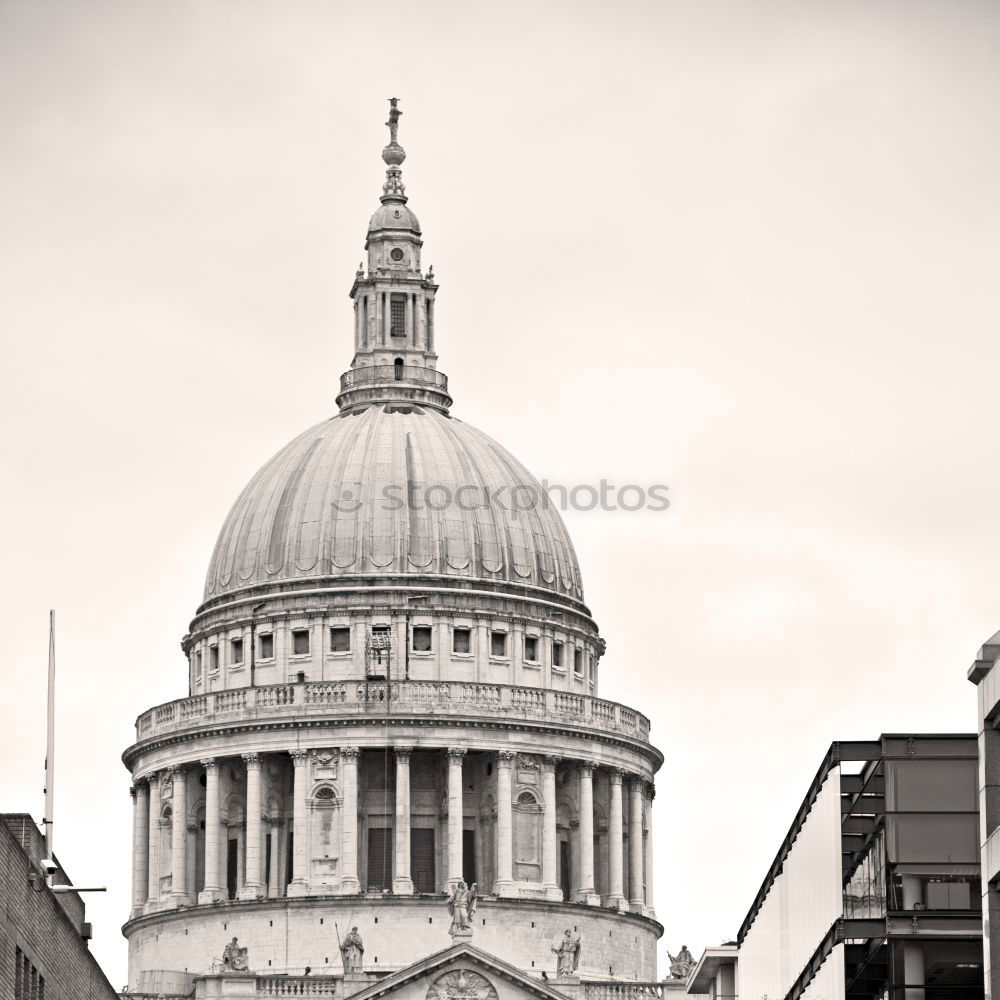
x=417 y=697
x=622 y=991
x=296 y=986
x=392 y=373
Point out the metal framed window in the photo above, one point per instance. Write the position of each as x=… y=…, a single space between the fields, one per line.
x=397 y=316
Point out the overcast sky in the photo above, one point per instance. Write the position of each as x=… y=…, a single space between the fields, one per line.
x=748 y=250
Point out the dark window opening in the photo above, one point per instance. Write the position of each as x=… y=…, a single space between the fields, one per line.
x=422 y=859
x=266 y=646
x=421 y=638
x=557 y=653
x=531 y=648
x=498 y=643
x=577 y=661
x=379 y=859
x=236 y=648
x=290 y=858
x=462 y=640
x=469 y=856
x=398 y=369
x=213 y=657
x=340 y=639
x=232 y=867
x=300 y=641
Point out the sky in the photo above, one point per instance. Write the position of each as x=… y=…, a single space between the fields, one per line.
x=747 y=251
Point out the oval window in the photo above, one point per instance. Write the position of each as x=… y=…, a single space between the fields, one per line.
x=396 y=254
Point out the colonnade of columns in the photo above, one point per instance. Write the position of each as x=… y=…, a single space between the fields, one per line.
x=629 y=872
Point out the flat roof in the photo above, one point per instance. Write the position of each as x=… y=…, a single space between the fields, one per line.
x=712 y=959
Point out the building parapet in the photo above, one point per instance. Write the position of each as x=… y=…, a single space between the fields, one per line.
x=420 y=697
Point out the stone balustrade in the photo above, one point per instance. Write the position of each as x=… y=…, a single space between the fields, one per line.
x=622 y=991
x=405 y=697
x=297 y=986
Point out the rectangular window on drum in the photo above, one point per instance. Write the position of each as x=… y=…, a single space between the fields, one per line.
x=462 y=640
x=557 y=654
x=577 y=661
x=498 y=643
x=340 y=639
x=213 y=658
x=421 y=638
x=300 y=642
x=531 y=648
x=266 y=645
x=397 y=319
x=236 y=647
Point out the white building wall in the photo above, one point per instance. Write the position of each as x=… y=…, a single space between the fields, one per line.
x=804 y=901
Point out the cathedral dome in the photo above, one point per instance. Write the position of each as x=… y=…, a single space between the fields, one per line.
x=393 y=493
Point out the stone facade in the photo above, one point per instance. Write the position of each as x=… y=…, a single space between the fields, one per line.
x=385 y=699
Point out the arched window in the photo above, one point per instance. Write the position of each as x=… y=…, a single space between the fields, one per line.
x=398 y=365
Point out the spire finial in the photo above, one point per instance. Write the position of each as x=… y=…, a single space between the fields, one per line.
x=393 y=154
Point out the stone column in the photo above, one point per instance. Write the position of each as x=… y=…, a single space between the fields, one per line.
x=273 y=888
x=349 y=882
x=455 y=815
x=153 y=868
x=299 y=885
x=549 y=878
x=402 y=884
x=411 y=333
x=650 y=795
x=585 y=875
x=179 y=835
x=386 y=319
x=505 y=834
x=254 y=857
x=637 y=896
x=213 y=888
x=140 y=845
x=616 y=889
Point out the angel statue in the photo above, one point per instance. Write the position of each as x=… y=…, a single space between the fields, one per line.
x=567 y=955
x=681 y=964
x=462 y=907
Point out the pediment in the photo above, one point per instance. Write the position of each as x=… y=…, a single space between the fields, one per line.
x=461 y=972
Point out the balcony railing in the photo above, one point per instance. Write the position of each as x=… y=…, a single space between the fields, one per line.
x=370 y=374
x=347 y=698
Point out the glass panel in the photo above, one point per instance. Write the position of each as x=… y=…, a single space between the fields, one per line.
x=557 y=650
x=462 y=640
x=498 y=644
x=949 y=837
x=933 y=785
x=300 y=642
x=421 y=638
x=266 y=646
x=530 y=648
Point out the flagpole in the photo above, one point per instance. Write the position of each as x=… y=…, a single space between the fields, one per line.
x=50 y=742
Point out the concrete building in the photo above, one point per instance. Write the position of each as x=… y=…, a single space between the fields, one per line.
x=875 y=891
x=43 y=934
x=392 y=691
x=714 y=975
x=986 y=676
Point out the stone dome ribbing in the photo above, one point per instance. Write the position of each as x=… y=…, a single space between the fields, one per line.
x=332 y=504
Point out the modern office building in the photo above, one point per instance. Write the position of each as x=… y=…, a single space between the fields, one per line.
x=44 y=935
x=875 y=890
x=985 y=674
x=392 y=694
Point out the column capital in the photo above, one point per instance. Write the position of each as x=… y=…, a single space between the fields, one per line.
x=209 y=763
x=616 y=775
x=192 y=827
x=456 y=753
x=175 y=769
x=585 y=769
x=350 y=753
x=153 y=778
x=550 y=760
x=506 y=758
x=299 y=757
x=404 y=752
x=574 y=824
x=252 y=761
